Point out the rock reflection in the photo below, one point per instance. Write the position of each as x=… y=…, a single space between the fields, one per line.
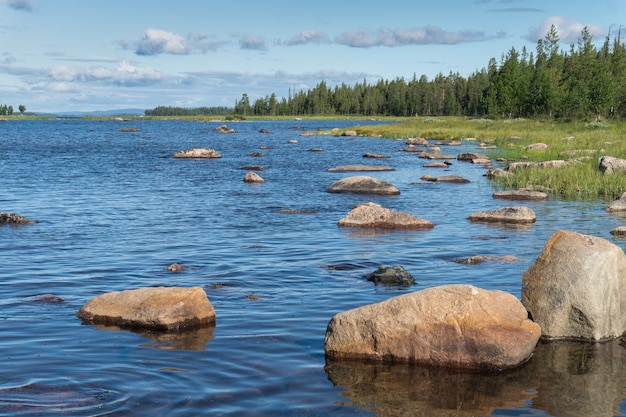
x=563 y=378
x=194 y=339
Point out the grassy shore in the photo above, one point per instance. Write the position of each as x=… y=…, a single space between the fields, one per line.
x=583 y=142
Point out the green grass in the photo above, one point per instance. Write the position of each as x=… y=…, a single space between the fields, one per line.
x=578 y=181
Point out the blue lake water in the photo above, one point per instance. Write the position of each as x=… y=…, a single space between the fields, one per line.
x=114 y=209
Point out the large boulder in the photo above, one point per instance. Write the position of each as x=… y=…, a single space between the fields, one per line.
x=372 y=215
x=610 y=165
x=198 y=153
x=457 y=326
x=515 y=215
x=576 y=288
x=159 y=308
x=14 y=218
x=362 y=184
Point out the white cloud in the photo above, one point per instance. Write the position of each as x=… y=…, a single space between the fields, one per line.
x=569 y=30
x=429 y=35
x=158 y=41
x=125 y=74
x=308 y=36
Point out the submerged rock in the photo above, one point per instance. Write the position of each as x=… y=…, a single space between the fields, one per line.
x=446 y=178
x=13 y=218
x=159 y=308
x=505 y=215
x=395 y=275
x=360 y=168
x=456 y=326
x=521 y=194
x=362 y=184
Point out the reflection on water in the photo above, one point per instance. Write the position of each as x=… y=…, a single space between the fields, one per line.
x=563 y=378
x=193 y=339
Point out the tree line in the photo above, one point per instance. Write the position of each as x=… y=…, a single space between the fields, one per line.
x=7 y=109
x=549 y=82
x=582 y=82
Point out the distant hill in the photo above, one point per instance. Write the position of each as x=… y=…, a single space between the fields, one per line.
x=101 y=113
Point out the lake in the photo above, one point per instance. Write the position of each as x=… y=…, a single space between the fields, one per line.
x=114 y=209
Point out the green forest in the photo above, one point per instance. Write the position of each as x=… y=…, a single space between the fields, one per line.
x=582 y=82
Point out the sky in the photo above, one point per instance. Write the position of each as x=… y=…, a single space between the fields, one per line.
x=77 y=55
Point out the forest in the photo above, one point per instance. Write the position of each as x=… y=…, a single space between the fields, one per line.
x=582 y=82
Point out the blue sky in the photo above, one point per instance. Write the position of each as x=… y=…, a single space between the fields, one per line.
x=76 y=55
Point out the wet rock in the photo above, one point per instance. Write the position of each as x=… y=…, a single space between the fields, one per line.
x=446 y=178
x=417 y=141
x=358 y=167
x=349 y=133
x=437 y=165
x=576 y=288
x=619 y=231
x=434 y=153
x=514 y=215
x=375 y=155
x=13 y=218
x=130 y=129
x=395 y=275
x=456 y=326
x=253 y=168
x=256 y=154
x=618 y=205
x=253 y=177
x=224 y=129
x=479 y=259
x=610 y=165
x=521 y=194
x=362 y=184
x=316 y=150
x=199 y=153
x=176 y=267
x=158 y=308
x=371 y=215
x=470 y=156
x=264 y=131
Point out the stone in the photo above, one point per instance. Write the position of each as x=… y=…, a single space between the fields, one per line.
x=434 y=153
x=514 y=215
x=224 y=129
x=176 y=267
x=359 y=167
x=521 y=194
x=159 y=308
x=479 y=259
x=253 y=177
x=375 y=155
x=556 y=163
x=471 y=156
x=199 y=153
x=362 y=184
x=395 y=275
x=264 y=131
x=619 y=231
x=436 y=165
x=446 y=178
x=14 y=218
x=253 y=168
x=617 y=205
x=537 y=147
x=372 y=215
x=349 y=133
x=493 y=173
x=417 y=141
x=576 y=288
x=455 y=326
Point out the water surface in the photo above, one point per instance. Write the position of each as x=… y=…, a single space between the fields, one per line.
x=114 y=210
